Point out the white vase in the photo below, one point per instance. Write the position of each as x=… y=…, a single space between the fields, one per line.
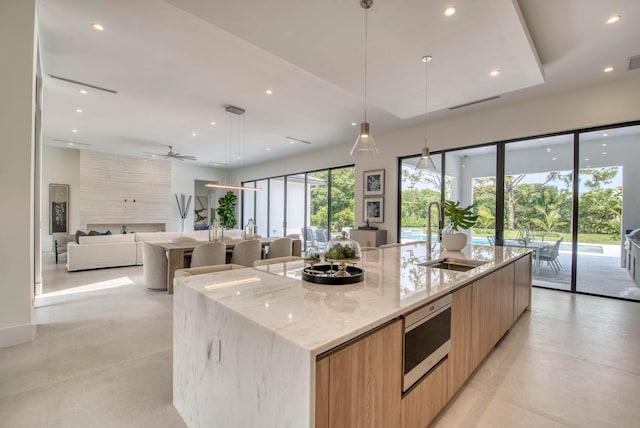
x=453 y=241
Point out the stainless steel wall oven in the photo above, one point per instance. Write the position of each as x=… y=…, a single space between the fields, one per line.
x=427 y=339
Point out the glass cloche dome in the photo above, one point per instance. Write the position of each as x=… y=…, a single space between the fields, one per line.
x=342 y=249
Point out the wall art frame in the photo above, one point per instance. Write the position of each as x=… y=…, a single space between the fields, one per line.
x=373 y=211
x=58 y=208
x=374 y=183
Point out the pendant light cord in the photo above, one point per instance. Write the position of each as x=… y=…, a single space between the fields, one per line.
x=366 y=44
x=426 y=106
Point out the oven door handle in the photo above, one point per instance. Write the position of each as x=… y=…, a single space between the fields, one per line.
x=423 y=320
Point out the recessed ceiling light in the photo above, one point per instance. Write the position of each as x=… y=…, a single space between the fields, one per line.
x=292 y=142
x=83 y=91
x=268 y=92
x=586 y=159
x=605 y=134
x=608 y=69
x=604 y=153
x=588 y=166
x=213 y=123
x=494 y=73
x=268 y=149
x=193 y=134
x=540 y=139
x=70 y=143
x=353 y=124
x=554 y=158
x=548 y=150
x=604 y=144
x=98 y=27
x=450 y=11
x=74 y=131
x=463 y=165
x=613 y=18
x=238 y=158
x=78 y=110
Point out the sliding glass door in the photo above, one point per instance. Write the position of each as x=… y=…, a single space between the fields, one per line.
x=608 y=208
x=418 y=188
x=470 y=178
x=538 y=200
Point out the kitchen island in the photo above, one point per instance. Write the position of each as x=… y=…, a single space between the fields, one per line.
x=261 y=347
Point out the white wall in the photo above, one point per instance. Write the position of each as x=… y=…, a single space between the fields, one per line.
x=60 y=166
x=17 y=110
x=183 y=176
x=601 y=105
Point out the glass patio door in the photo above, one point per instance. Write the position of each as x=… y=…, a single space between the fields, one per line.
x=538 y=201
x=608 y=208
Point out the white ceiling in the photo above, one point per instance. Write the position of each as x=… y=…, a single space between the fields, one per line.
x=175 y=64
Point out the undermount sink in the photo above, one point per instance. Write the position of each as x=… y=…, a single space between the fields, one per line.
x=449 y=263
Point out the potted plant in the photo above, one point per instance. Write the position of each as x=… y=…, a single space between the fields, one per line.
x=458 y=218
x=227 y=210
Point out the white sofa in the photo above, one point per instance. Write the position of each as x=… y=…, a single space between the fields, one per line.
x=103 y=251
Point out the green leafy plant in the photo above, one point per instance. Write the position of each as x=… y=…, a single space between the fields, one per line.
x=227 y=210
x=459 y=218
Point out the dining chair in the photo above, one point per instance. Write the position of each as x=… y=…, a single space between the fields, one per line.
x=209 y=253
x=550 y=255
x=154 y=266
x=246 y=252
x=281 y=247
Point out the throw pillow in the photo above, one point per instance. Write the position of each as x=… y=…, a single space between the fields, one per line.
x=79 y=233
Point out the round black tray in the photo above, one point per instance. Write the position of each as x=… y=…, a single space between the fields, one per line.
x=325 y=274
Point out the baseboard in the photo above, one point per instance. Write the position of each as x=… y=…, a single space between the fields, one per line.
x=17 y=335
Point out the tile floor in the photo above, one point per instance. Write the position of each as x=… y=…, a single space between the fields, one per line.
x=102 y=358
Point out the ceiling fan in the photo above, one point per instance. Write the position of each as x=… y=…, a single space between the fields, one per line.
x=173 y=155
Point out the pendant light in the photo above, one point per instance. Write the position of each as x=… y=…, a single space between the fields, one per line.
x=426 y=163
x=364 y=145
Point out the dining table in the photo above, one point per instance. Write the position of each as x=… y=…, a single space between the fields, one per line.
x=536 y=246
x=176 y=252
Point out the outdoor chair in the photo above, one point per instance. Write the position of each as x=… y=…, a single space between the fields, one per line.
x=549 y=254
x=492 y=240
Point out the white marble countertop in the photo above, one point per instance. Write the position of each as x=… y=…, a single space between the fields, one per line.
x=317 y=318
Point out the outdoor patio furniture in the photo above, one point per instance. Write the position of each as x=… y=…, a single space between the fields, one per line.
x=549 y=254
x=492 y=240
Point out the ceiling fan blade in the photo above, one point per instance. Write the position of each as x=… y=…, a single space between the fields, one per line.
x=181 y=157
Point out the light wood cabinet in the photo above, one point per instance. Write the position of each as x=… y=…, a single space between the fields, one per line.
x=522 y=286
x=505 y=293
x=369 y=238
x=460 y=365
x=322 y=393
x=360 y=384
x=492 y=311
x=364 y=382
x=422 y=404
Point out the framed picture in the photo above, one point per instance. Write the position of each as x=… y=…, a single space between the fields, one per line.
x=373 y=210
x=58 y=208
x=374 y=183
